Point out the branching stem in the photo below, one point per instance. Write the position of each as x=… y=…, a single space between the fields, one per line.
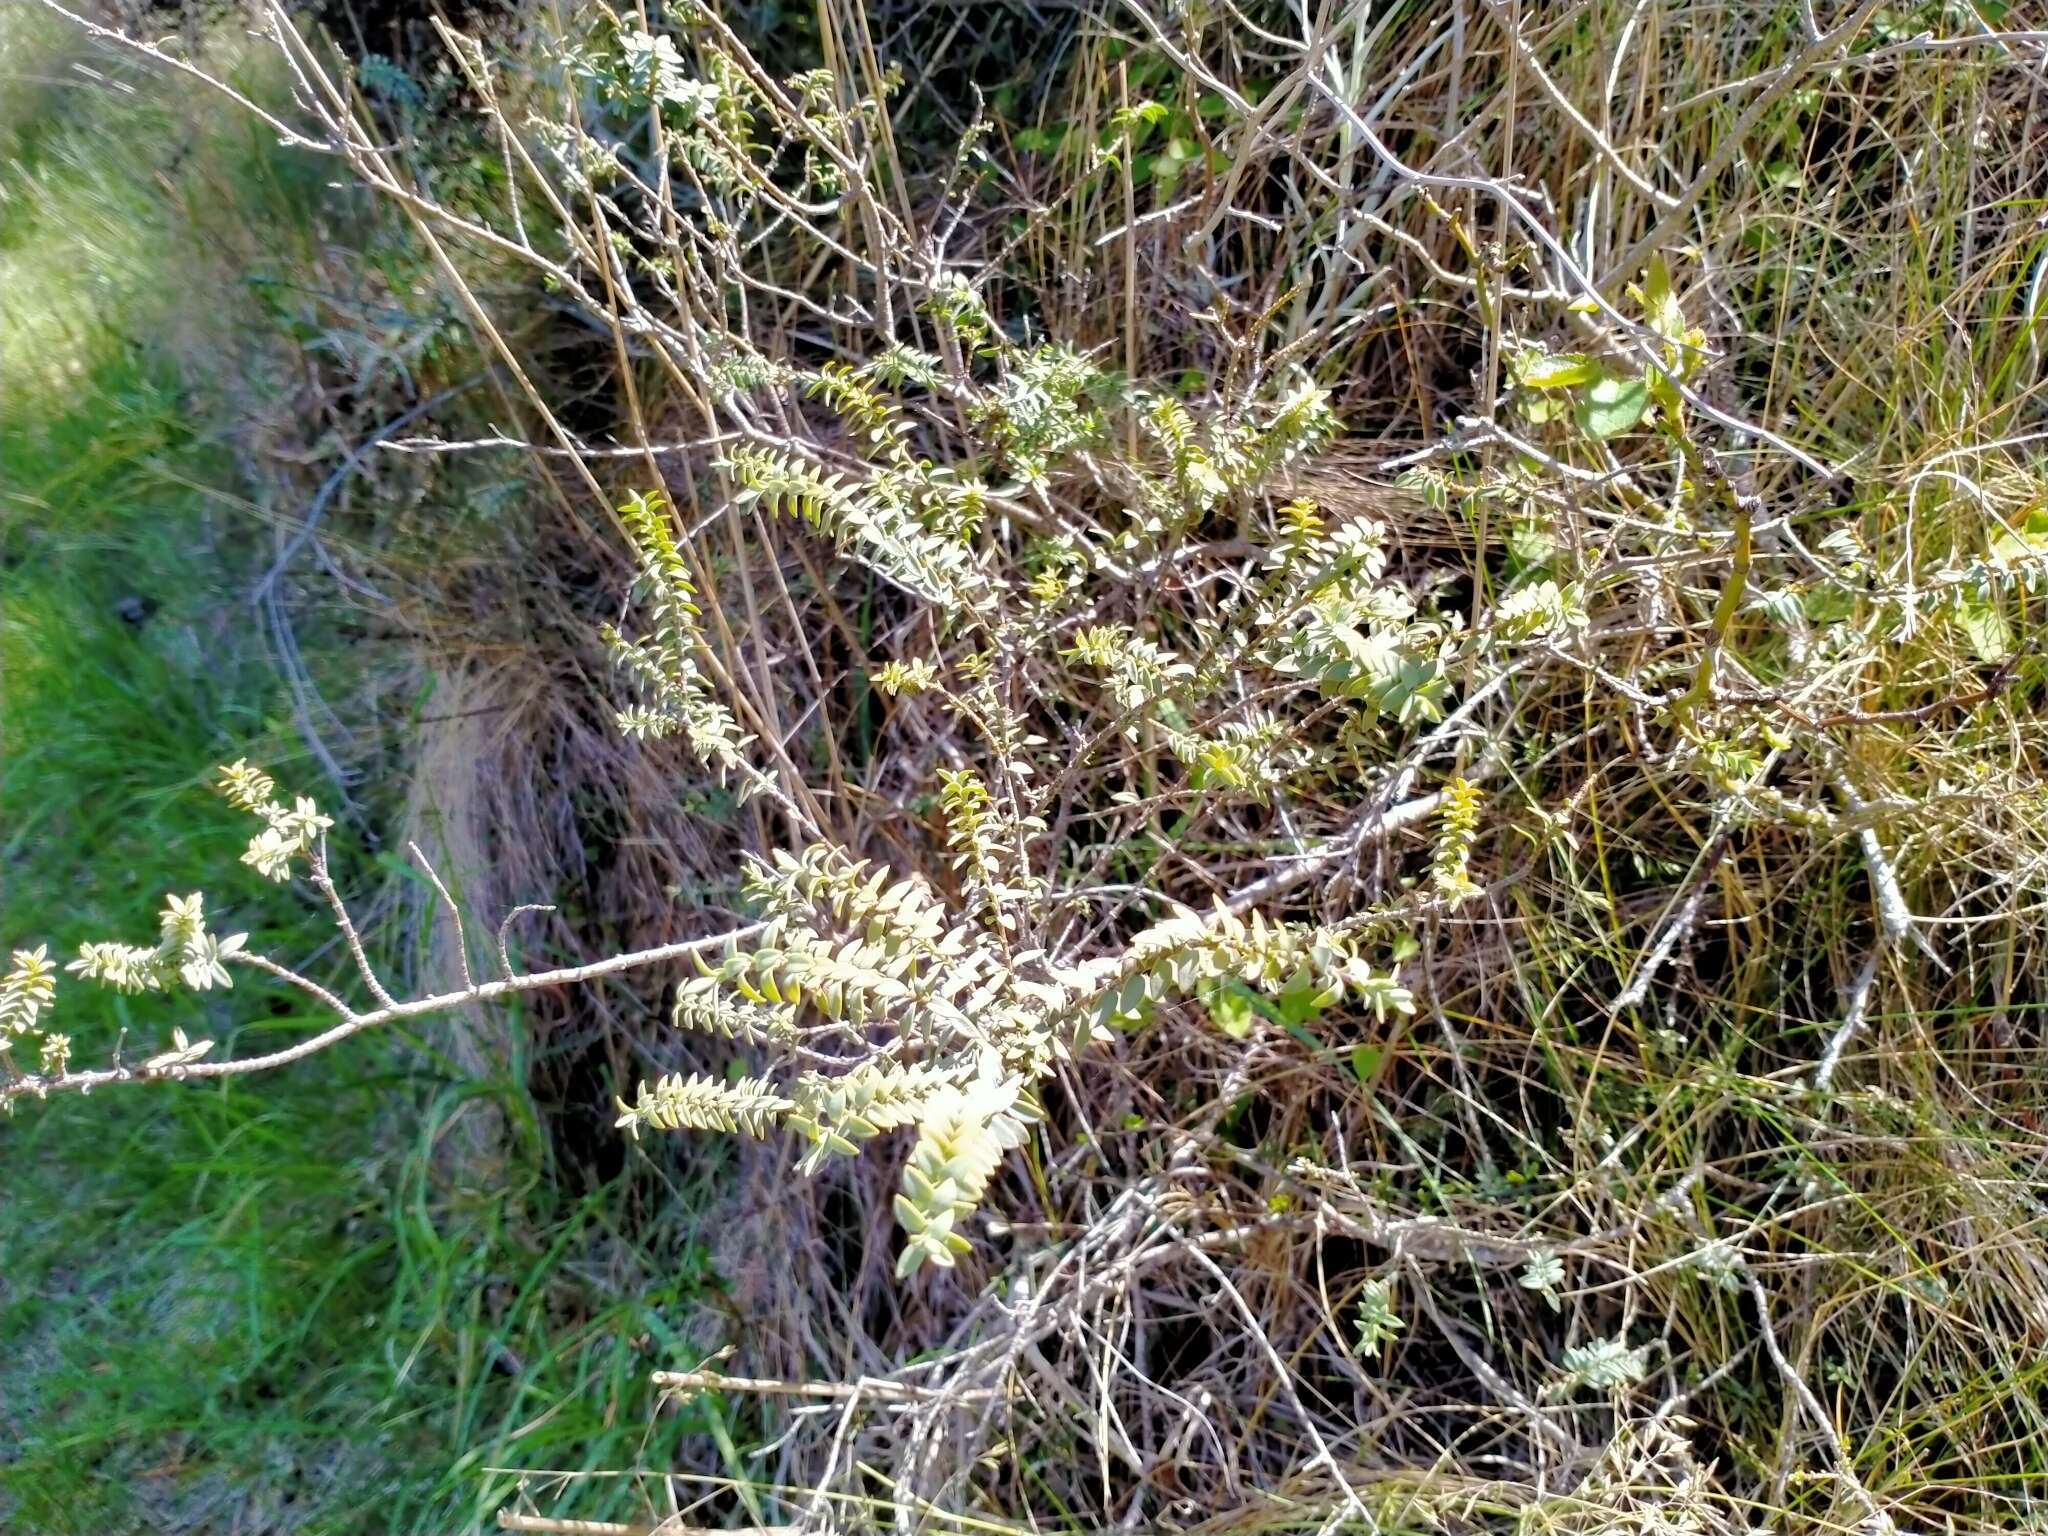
x=353 y=1023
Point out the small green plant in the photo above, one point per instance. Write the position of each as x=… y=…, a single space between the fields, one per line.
x=1378 y=1322
x=1604 y=1365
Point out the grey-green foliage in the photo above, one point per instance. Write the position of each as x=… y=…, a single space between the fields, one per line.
x=939 y=1026
x=874 y=1003
x=944 y=1016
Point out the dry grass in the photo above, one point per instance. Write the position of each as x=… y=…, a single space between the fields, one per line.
x=1738 y=1051
x=1161 y=1333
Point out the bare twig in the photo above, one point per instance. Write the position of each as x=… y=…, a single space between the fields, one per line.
x=1320 y=1450
x=1733 y=139
x=879 y=1388
x=1796 y=1384
x=324 y=884
x=454 y=915
x=1853 y=1019
x=1681 y=923
x=505 y=930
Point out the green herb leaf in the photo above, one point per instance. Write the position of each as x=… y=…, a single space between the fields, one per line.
x=1613 y=404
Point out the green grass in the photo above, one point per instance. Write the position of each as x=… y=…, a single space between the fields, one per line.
x=265 y=1303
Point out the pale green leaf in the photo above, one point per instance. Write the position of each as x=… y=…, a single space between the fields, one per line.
x=1559 y=370
x=1985 y=626
x=1613 y=404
